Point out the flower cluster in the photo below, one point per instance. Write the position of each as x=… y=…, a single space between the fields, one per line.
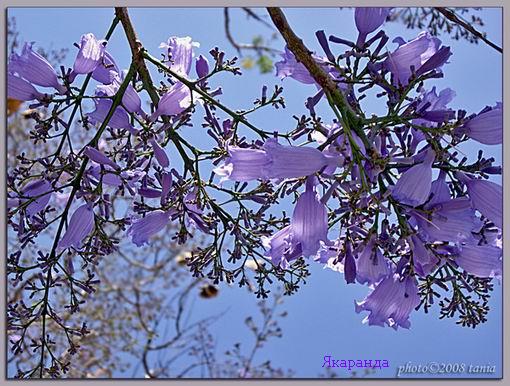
x=383 y=199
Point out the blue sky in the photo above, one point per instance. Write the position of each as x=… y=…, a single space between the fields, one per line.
x=321 y=317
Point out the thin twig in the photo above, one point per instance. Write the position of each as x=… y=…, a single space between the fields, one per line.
x=450 y=15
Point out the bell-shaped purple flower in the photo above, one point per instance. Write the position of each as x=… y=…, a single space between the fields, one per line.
x=106 y=175
x=371 y=265
x=349 y=265
x=368 y=19
x=194 y=211
x=202 y=66
x=273 y=161
x=80 y=226
x=293 y=161
x=431 y=103
x=452 y=220
x=487 y=198
x=98 y=157
x=21 y=90
x=281 y=248
x=439 y=191
x=90 y=55
x=119 y=119
x=413 y=186
x=130 y=100
x=416 y=53
x=180 y=52
x=423 y=259
x=309 y=224
x=480 y=260
x=35 y=68
x=173 y=102
x=487 y=127
x=290 y=67
x=103 y=71
x=391 y=302
x=160 y=153
x=144 y=228
x=243 y=164
x=40 y=191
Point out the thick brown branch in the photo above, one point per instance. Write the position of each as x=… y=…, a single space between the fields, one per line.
x=137 y=53
x=450 y=15
x=304 y=55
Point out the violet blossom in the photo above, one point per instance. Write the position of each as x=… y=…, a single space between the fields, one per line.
x=487 y=126
x=371 y=265
x=180 y=53
x=309 y=224
x=173 y=102
x=106 y=69
x=130 y=100
x=90 y=55
x=118 y=120
x=424 y=51
x=480 y=260
x=368 y=19
x=34 y=68
x=40 y=191
x=413 y=186
x=21 y=90
x=144 y=228
x=80 y=226
x=272 y=161
x=391 y=302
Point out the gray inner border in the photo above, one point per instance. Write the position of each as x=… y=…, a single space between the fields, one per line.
x=233 y=3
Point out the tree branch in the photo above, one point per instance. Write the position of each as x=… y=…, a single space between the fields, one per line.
x=137 y=53
x=450 y=15
x=304 y=56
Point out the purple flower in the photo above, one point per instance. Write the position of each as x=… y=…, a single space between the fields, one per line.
x=487 y=198
x=105 y=68
x=413 y=186
x=106 y=175
x=349 y=265
x=487 y=127
x=372 y=266
x=98 y=157
x=173 y=102
x=180 y=53
x=451 y=220
x=280 y=247
x=416 y=53
x=309 y=224
x=243 y=164
x=90 y=55
x=119 y=119
x=290 y=67
x=80 y=226
x=368 y=19
x=34 y=68
x=194 y=211
x=480 y=260
x=423 y=259
x=391 y=302
x=130 y=100
x=36 y=189
x=202 y=66
x=21 y=90
x=273 y=161
x=144 y=228
x=159 y=153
